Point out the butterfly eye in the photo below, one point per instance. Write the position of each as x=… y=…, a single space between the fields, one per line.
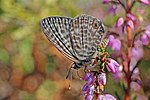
x=95 y=25
x=101 y=29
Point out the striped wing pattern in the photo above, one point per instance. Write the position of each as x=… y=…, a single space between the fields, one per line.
x=57 y=31
x=77 y=38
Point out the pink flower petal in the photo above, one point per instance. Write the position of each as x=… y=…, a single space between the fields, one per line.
x=111 y=38
x=120 y=22
x=106 y=1
x=131 y=24
x=145 y=2
x=131 y=16
x=109 y=97
x=137 y=53
x=111 y=65
x=138 y=43
x=147 y=32
x=89 y=97
x=144 y=38
x=102 y=78
x=116 y=45
x=106 y=97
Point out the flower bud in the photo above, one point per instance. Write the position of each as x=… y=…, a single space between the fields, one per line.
x=111 y=65
x=102 y=78
x=120 y=22
x=89 y=97
x=146 y=2
x=131 y=24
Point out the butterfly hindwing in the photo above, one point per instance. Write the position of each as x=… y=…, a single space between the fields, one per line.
x=86 y=34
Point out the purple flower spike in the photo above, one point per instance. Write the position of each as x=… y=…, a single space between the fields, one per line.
x=131 y=24
x=120 y=22
x=146 y=2
x=106 y=97
x=102 y=78
x=112 y=65
x=89 y=97
x=131 y=16
x=106 y=1
x=144 y=38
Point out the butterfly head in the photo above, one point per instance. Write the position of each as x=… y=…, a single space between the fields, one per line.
x=77 y=65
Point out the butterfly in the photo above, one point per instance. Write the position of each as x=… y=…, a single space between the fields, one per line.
x=77 y=38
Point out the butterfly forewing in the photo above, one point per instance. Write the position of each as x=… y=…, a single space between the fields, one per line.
x=57 y=31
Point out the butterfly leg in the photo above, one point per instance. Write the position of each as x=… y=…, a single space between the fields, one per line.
x=69 y=72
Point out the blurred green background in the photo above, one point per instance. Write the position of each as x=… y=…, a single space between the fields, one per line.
x=31 y=68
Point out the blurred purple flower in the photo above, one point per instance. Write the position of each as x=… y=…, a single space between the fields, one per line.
x=135 y=86
x=112 y=65
x=106 y=97
x=131 y=24
x=106 y=1
x=102 y=78
x=89 y=97
x=117 y=75
x=115 y=44
x=120 y=22
x=131 y=16
x=113 y=9
x=147 y=32
x=138 y=43
x=137 y=52
x=145 y=2
x=133 y=63
x=144 y=38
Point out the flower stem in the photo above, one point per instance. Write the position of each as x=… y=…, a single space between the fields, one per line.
x=129 y=45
